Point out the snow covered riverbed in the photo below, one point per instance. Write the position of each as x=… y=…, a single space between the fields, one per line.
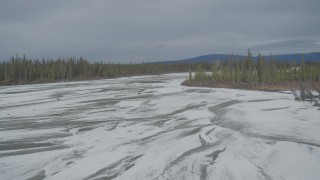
x=150 y=127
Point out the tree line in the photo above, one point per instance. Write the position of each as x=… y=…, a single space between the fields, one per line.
x=21 y=70
x=246 y=70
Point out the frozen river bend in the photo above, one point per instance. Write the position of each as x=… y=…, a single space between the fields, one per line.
x=150 y=127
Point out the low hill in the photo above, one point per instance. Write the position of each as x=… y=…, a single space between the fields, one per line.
x=308 y=57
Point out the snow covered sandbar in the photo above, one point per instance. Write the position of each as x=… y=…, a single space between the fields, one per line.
x=150 y=127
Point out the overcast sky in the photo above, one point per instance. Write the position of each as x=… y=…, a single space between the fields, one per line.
x=154 y=30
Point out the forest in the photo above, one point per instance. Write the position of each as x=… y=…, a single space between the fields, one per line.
x=260 y=74
x=236 y=72
x=21 y=70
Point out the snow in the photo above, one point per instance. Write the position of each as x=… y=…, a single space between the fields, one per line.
x=150 y=127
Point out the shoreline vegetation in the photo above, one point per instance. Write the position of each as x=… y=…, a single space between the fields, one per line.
x=257 y=75
x=21 y=70
x=238 y=73
x=303 y=79
x=270 y=87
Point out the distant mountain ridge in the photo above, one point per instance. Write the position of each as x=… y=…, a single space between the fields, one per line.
x=308 y=57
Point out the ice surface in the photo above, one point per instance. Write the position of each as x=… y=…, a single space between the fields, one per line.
x=150 y=127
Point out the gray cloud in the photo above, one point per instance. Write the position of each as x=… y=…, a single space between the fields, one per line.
x=152 y=30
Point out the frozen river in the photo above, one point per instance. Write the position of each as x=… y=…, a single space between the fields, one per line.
x=150 y=127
